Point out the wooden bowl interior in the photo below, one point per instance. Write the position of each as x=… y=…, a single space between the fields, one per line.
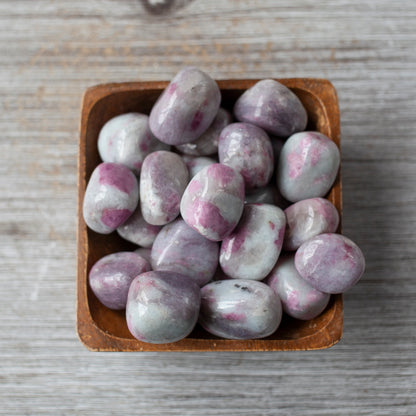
x=112 y=103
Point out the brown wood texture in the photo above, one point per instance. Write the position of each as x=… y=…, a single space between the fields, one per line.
x=100 y=328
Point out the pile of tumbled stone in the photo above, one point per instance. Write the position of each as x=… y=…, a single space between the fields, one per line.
x=230 y=218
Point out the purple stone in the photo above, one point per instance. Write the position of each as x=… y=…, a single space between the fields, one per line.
x=273 y=107
x=331 y=263
x=306 y=219
x=186 y=108
x=111 y=276
x=138 y=231
x=308 y=166
x=179 y=248
x=111 y=196
x=207 y=143
x=248 y=150
x=127 y=139
x=299 y=299
x=239 y=309
x=162 y=182
x=252 y=249
x=213 y=201
x=162 y=307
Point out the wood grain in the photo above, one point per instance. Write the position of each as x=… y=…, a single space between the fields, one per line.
x=52 y=51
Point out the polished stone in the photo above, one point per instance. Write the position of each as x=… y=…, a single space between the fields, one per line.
x=307 y=167
x=111 y=196
x=331 y=263
x=252 y=249
x=213 y=201
x=239 y=309
x=163 y=180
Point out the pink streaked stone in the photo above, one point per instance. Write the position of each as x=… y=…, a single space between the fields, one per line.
x=179 y=248
x=247 y=149
x=186 y=108
x=114 y=174
x=307 y=167
x=239 y=309
x=331 y=263
x=126 y=139
x=308 y=218
x=162 y=182
x=111 y=196
x=299 y=298
x=207 y=143
x=273 y=107
x=252 y=249
x=213 y=201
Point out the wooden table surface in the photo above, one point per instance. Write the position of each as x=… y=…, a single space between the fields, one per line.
x=51 y=51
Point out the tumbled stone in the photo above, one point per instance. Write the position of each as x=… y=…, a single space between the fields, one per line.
x=252 y=249
x=162 y=307
x=111 y=276
x=213 y=201
x=308 y=166
x=273 y=107
x=197 y=163
x=186 y=108
x=179 y=248
x=138 y=231
x=247 y=149
x=331 y=263
x=306 y=219
x=239 y=309
x=207 y=143
x=127 y=139
x=162 y=182
x=299 y=299
x=111 y=196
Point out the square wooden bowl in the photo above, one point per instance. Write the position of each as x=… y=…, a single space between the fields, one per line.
x=102 y=329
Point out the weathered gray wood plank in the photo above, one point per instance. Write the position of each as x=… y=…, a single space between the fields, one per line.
x=51 y=51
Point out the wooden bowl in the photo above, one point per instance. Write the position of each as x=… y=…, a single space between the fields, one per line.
x=102 y=329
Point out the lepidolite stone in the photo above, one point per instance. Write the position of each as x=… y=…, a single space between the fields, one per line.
x=213 y=201
x=127 y=139
x=111 y=276
x=308 y=166
x=239 y=309
x=331 y=263
x=207 y=143
x=299 y=299
x=252 y=249
x=248 y=150
x=273 y=107
x=186 y=108
x=162 y=182
x=179 y=248
x=111 y=196
x=306 y=219
x=162 y=307
x=138 y=231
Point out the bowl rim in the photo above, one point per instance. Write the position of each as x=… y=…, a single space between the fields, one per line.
x=95 y=338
